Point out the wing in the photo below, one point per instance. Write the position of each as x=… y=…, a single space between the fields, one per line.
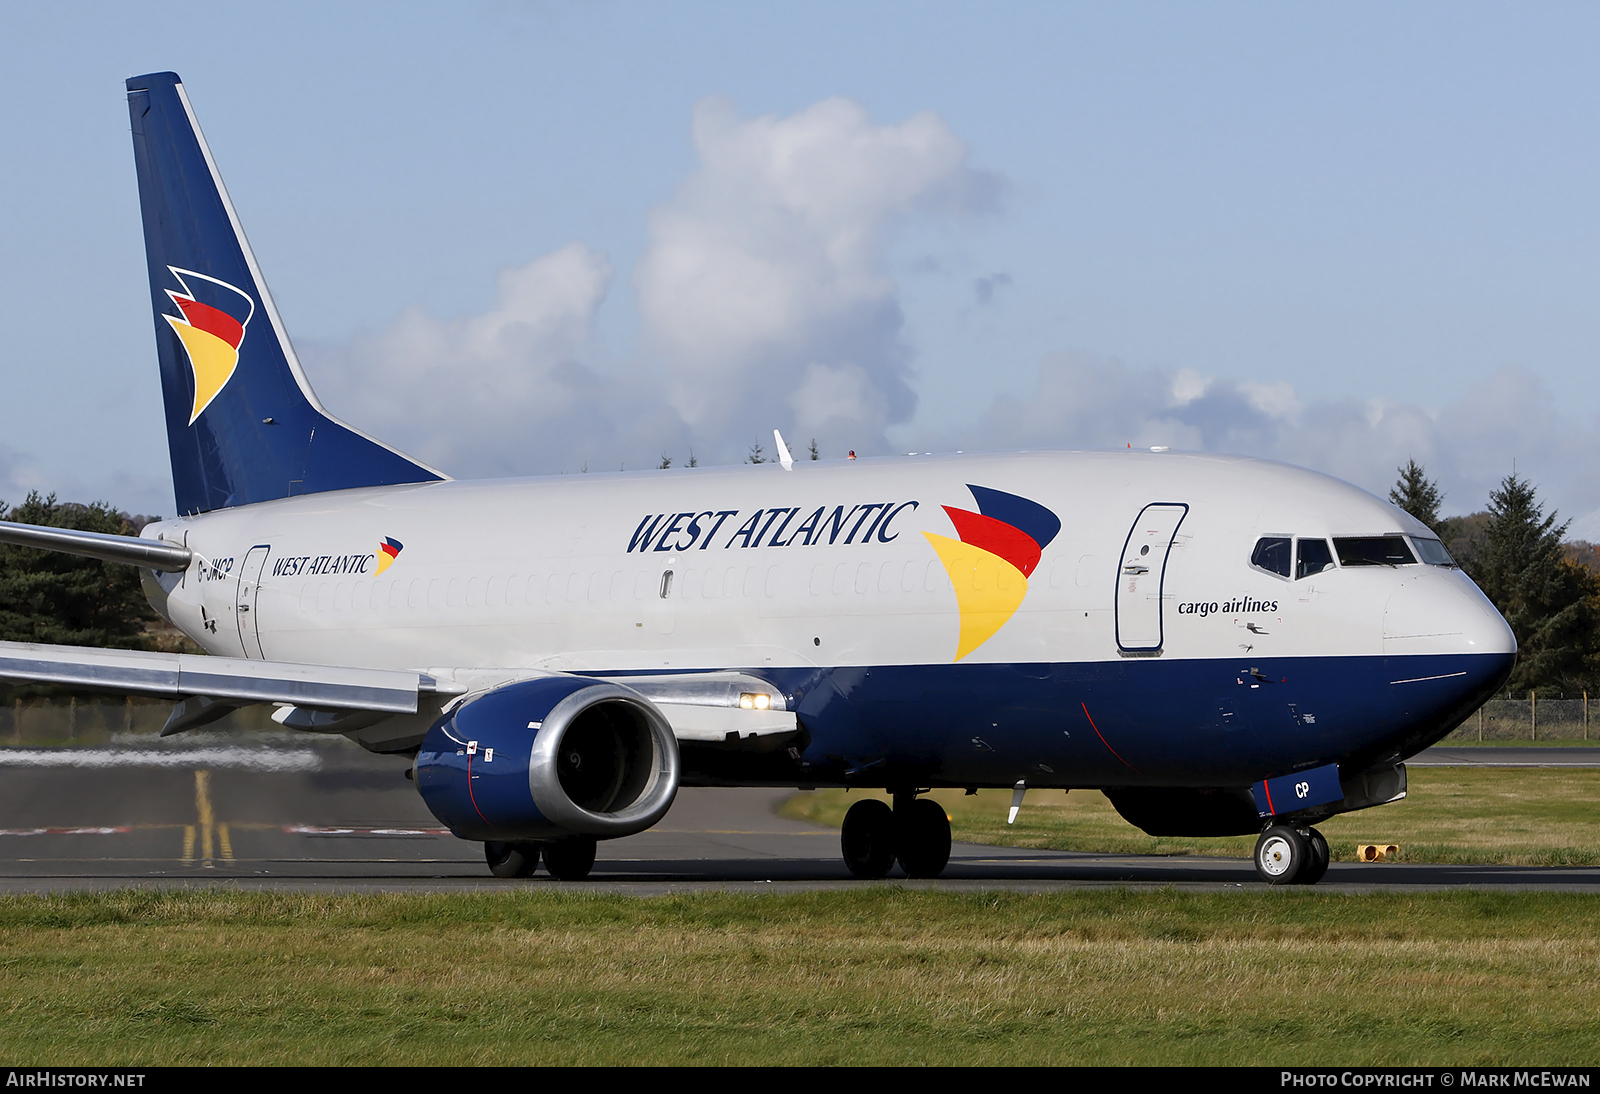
x=724 y=707
x=209 y=687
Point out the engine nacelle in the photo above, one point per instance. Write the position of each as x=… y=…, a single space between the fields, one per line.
x=550 y=757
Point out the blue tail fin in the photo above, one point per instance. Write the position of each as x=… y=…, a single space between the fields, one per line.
x=242 y=423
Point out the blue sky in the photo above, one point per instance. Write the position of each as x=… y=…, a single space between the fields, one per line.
x=517 y=238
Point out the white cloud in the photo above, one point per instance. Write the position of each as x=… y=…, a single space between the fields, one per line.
x=833 y=398
x=518 y=389
x=764 y=286
x=1188 y=385
x=1272 y=400
x=1467 y=445
x=764 y=301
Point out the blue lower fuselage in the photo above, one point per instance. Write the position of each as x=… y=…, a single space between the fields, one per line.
x=1133 y=722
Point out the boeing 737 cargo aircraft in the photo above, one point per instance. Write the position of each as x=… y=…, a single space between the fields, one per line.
x=1223 y=645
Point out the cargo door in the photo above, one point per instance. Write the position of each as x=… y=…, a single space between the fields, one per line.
x=246 y=606
x=1143 y=575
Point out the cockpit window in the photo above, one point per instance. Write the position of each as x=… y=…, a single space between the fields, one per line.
x=1374 y=551
x=1314 y=557
x=1433 y=552
x=1272 y=555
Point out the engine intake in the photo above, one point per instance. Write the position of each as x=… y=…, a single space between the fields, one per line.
x=551 y=757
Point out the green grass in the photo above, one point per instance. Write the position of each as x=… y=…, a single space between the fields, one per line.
x=1519 y=816
x=876 y=975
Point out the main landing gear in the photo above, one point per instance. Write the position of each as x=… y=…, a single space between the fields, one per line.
x=568 y=859
x=916 y=833
x=1291 y=855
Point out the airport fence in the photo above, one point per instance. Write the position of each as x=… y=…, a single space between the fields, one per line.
x=1530 y=719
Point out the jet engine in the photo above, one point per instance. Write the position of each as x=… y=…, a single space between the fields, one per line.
x=550 y=757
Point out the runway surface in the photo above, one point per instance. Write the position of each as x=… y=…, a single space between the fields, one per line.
x=1506 y=756
x=320 y=814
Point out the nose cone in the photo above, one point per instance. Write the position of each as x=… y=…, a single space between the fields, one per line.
x=1440 y=610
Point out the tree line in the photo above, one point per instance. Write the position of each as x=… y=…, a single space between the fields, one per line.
x=57 y=599
x=50 y=597
x=1547 y=589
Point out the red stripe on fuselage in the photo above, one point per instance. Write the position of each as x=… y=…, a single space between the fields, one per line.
x=212 y=321
x=996 y=537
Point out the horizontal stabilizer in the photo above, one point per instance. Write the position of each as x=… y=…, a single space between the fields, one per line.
x=149 y=553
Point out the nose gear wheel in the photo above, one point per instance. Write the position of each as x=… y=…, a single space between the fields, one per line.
x=1282 y=854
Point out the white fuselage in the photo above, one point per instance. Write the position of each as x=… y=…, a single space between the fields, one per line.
x=537 y=573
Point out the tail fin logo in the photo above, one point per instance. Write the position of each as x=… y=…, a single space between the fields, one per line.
x=388 y=551
x=989 y=566
x=211 y=321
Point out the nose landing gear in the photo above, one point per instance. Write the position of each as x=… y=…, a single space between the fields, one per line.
x=1287 y=855
x=916 y=833
x=1321 y=855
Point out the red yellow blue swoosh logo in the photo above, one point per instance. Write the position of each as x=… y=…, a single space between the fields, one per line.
x=989 y=566
x=211 y=330
x=388 y=551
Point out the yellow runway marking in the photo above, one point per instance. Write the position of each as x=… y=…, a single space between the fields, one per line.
x=211 y=833
x=202 y=805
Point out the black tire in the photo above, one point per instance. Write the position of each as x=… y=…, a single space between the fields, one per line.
x=570 y=859
x=1317 y=863
x=511 y=859
x=867 y=838
x=923 y=838
x=1281 y=855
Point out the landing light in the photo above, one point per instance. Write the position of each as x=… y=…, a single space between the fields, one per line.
x=754 y=701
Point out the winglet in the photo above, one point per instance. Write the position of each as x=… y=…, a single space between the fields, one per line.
x=783 y=452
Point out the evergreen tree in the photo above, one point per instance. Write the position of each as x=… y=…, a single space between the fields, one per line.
x=757 y=454
x=47 y=596
x=814 y=454
x=1551 y=602
x=1416 y=495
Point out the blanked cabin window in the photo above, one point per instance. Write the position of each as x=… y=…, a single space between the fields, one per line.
x=1314 y=557
x=1374 y=551
x=1272 y=554
x=1433 y=552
